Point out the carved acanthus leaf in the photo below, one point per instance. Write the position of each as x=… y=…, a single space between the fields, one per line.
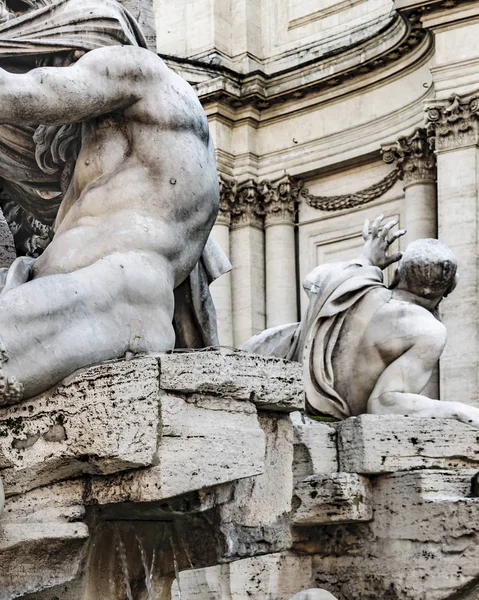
x=228 y=186
x=246 y=208
x=413 y=156
x=280 y=199
x=453 y=123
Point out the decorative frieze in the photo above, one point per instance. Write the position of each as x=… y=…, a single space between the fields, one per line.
x=453 y=123
x=262 y=203
x=414 y=158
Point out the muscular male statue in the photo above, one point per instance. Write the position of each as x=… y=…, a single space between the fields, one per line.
x=371 y=349
x=132 y=224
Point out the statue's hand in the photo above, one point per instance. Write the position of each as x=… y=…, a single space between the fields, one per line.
x=377 y=242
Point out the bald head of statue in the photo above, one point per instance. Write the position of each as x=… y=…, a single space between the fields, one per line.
x=314 y=594
x=427 y=269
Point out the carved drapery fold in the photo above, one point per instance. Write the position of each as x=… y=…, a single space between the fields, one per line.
x=453 y=123
x=414 y=158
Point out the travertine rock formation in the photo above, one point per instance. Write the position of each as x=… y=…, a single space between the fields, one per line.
x=200 y=469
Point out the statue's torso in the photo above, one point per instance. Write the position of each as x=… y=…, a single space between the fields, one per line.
x=145 y=178
x=367 y=347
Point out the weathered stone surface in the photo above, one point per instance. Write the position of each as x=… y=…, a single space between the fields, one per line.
x=256 y=520
x=334 y=498
x=206 y=441
x=41 y=539
x=277 y=576
x=315 y=449
x=100 y=420
x=382 y=444
x=271 y=383
x=422 y=543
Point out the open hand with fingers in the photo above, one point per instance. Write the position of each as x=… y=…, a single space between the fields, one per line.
x=377 y=240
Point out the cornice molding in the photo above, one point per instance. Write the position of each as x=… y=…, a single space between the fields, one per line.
x=414 y=158
x=260 y=90
x=423 y=7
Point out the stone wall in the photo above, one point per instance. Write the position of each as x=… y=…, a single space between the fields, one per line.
x=200 y=469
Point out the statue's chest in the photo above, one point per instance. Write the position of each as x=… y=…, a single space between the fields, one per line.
x=105 y=147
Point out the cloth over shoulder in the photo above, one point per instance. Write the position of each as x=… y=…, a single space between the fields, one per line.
x=334 y=289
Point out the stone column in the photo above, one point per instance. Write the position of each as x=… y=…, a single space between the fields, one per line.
x=247 y=257
x=280 y=200
x=221 y=288
x=453 y=127
x=417 y=165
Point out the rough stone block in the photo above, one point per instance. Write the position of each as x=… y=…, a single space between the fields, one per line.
x=103 y=419
x=41 y=540
x=277 y=576
x=255 y=521
x=205 y=442
x=382 y=444
x=425 y=505
x=334 y=498
x=423 y=542
x=315 y=449
x=270 y=383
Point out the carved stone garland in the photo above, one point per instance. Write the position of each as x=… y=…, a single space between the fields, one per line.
x=345 y=201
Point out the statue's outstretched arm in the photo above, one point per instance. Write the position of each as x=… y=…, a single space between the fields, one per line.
x=102 y=81
x=398 y=389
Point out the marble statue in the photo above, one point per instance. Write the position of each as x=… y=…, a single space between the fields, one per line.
x=100 y=140
x=367 y=348
x=313 y=594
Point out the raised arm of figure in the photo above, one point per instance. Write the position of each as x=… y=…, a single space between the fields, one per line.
x=377 y=242
x=397 y=391
x=101 y=82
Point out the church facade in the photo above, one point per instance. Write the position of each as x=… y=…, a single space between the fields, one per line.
x=325 y=113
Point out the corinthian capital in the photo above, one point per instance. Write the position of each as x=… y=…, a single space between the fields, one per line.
x=227 y=197
x=415 y=160
x=246 y=208
x=280 y=199
x=453 y=123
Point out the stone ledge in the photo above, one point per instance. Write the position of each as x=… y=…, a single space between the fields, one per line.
x=334 y=498
x=384 y=444
x=101 y=420
x=42 y=539
x=270 y=383
x=114 y=419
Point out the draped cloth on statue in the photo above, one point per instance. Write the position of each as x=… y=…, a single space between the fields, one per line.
x=62 y=25
x=68 y=25
x=333 y=289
